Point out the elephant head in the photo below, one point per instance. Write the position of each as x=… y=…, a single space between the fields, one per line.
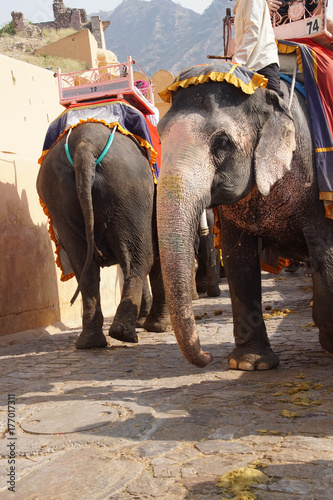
x=218 y=145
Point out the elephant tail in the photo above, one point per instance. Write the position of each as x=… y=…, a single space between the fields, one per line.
x=84 y=165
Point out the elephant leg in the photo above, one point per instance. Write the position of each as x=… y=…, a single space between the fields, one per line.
x=213 y=273
x=124 y=322
x=158 y=319
x=208 y=273
x=200 y=274
x=146 y=303
x=195 y=289
x=134 y=252
x=321 y=253
x=208 y=276
x=92 y=318
x=241 y=261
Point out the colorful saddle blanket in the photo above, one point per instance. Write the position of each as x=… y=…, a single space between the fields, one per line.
x=128 y=119
x=316 y=63
x=240 y=76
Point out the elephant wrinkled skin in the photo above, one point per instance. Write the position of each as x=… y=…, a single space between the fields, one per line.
x=250 y=157
x=105 y=215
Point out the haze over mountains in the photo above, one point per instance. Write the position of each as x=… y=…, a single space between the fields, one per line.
x=161 y=34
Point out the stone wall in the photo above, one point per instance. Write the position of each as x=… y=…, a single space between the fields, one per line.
x=31 y=292
x=22 y=25
x=81 y=46
x=97 y=29
x=65 y=17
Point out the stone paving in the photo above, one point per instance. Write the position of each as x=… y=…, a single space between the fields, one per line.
x=140 y=422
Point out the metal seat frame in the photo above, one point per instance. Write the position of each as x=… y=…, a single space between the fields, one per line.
x=114 y=81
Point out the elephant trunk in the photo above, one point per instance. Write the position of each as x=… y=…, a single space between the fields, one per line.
x=183 y=194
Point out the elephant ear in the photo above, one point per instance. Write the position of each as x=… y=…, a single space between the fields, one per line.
x=277 y=143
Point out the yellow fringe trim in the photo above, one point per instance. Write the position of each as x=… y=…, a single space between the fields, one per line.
x=141 y=141
x=145 y=144
x=288 y=49
x=323 y=150
x=248 y=88
x=272 y=269
x=55 y=241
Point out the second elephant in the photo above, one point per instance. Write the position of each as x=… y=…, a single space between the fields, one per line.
x=209 y=270
x=105 y=215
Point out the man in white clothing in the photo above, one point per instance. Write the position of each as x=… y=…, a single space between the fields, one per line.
x=255 y=44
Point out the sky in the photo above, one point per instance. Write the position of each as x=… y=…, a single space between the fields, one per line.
x=38 y=11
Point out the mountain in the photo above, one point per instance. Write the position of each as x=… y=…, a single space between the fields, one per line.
x=161 y=34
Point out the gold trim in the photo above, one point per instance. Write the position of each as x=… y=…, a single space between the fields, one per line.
x=257 y=80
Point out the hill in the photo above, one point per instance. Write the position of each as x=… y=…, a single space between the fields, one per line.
x=161 y=34
x=23 y=47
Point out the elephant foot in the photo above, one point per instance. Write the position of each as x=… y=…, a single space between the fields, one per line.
x=158 y=326
x=140 y=321
x=89 y=341
x=326 y=342
x=213 y=291
x=201 y=286
x=244 y=358
x=123 y=332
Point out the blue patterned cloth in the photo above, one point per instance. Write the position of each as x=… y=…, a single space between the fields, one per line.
x=110 y=112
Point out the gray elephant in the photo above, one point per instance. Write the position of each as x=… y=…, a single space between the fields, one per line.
x=208 y=270
x=246 y=154
x=103 y=215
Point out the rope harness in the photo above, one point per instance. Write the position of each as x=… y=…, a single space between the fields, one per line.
x=292 y=85
x=105 y=150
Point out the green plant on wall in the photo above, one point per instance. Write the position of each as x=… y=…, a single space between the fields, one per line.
x=7 y=29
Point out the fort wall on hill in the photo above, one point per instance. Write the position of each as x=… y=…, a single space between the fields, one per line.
x=64 y=17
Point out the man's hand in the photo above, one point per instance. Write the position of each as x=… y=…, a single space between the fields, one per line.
x=273 y=5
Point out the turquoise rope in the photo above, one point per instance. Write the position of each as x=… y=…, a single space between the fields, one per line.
x=107 y=147
x=105 y=150
x=70 y=159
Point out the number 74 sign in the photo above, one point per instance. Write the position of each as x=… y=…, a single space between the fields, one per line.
x=313 y=26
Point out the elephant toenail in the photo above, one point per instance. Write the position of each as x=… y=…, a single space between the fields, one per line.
x=263 y=366
x=233 y=365
x=246 y=366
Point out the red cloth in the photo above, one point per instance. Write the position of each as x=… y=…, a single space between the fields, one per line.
x=155 y=140
x=323 y=74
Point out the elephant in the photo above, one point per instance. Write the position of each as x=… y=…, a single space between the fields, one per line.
x=251 y=157
x=103 y=215
x=208 y=272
